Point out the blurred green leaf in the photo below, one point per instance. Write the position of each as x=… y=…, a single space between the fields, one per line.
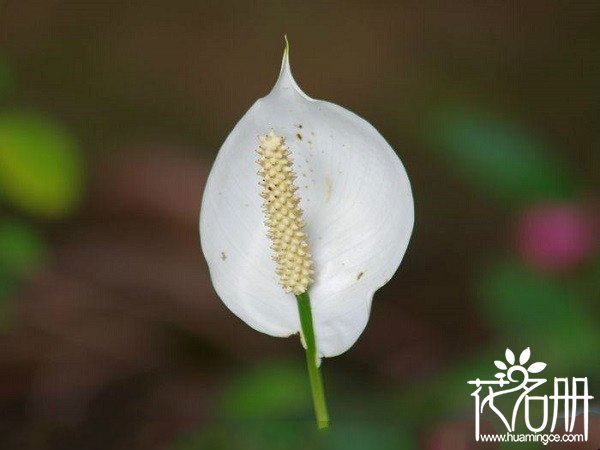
x=498 y=156
x=588 y=284
x=516 y=299
x=21 y=248
x=367 y=436
x=273 y=389
x=265 y=434
x=40 y=166
x=528 y=308
x=273 y=434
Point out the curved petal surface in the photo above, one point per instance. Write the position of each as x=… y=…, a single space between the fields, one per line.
x=358 y=210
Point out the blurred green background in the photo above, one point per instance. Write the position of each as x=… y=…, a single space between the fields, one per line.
x=110 y=116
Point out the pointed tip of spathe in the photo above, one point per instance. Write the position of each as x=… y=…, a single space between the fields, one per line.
x=286 y=49
x=285 y=61
x=286 y=79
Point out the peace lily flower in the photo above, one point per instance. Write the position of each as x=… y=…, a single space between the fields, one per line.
x=304 y=197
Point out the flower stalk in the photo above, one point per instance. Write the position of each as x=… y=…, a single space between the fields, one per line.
x=314 y=372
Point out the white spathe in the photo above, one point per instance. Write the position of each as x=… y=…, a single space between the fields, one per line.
x=358 y=210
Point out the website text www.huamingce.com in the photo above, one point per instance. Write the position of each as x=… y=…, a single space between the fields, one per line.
x=533 y=437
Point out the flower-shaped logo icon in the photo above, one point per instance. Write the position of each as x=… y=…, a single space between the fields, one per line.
x=510 y=364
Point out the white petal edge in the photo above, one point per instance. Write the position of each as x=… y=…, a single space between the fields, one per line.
x=358 y=210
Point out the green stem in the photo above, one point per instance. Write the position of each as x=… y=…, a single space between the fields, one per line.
x=314 y=373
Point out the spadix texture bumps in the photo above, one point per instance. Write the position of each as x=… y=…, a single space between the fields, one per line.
x=283 y=215
x=357 y=214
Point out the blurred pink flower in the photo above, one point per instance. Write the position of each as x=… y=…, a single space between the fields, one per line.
x=557 y=236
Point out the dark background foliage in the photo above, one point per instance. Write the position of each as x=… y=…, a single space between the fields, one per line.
x=110 y=115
